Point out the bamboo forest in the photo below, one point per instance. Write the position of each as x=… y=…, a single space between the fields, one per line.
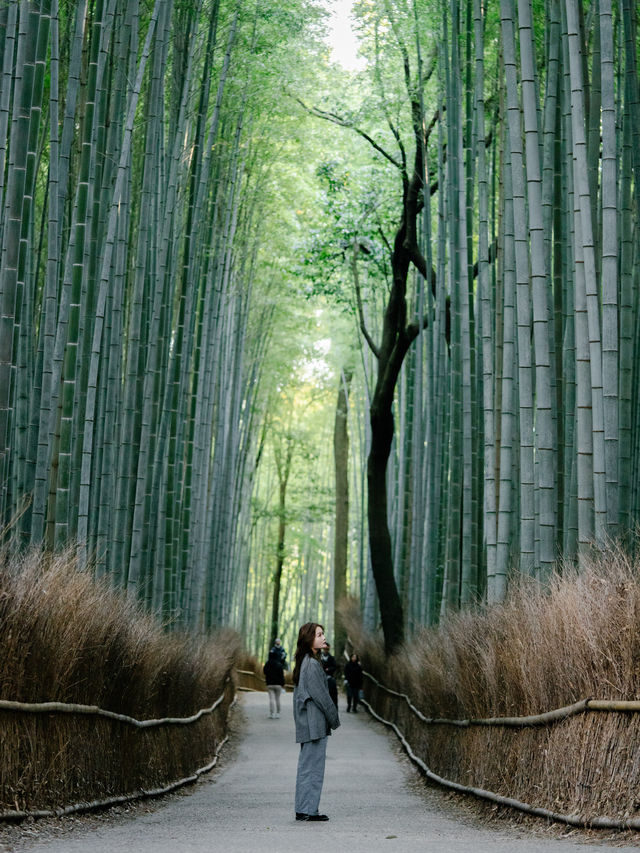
x=279 y=329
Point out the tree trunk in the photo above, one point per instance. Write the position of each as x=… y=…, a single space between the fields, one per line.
x=341 y=459
x=395 y=342
x=284 y=469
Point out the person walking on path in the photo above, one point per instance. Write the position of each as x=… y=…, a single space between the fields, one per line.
x=278 y=649
x=315 y=715
x=274 y=676
x=353 y=679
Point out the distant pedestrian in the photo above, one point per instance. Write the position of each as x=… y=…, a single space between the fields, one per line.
x=330 y=667
x=315 y=715
x=278 y=649
x=274 y=676
x=353 y=681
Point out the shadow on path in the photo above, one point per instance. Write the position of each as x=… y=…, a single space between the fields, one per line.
x=248 y=804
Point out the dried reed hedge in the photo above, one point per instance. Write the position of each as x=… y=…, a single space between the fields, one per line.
x=538 y=651
x=65 y=637
x=249 y=673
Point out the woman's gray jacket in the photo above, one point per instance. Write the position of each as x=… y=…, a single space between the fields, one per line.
x=314 y=711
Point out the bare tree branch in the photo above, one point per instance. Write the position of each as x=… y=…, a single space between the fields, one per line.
x=356 y=281
x=385 y=239
x=383 y=103
x=414 y=328
x=432 y=123
x=401 y=45
x=396 y=134
x=342 y=122
x=433 y=64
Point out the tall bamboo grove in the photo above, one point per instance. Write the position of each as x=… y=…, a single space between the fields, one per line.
x=130 y=345
x=518 y=439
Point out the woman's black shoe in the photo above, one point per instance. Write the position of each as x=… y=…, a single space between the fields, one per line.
x=303 y=816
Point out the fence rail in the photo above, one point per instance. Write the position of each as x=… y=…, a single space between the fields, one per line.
x=117 y=800
x=93 y=710
x=582 y=821
x=581 y=707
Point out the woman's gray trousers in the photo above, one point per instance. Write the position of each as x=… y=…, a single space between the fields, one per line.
x=310 y=775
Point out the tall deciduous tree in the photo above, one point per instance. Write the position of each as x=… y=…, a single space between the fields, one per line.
x=341 y=532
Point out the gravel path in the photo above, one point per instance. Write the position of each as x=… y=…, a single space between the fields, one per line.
x=370 y=794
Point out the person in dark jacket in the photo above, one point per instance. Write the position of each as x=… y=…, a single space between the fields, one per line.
x=315 y=716
x=330 y=668
x=353 y=681
x=274 y=676
x=278 y=649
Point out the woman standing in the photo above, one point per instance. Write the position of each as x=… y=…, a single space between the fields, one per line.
x=315 y=715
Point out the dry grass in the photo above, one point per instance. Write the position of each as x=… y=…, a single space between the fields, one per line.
x=64 y=637
x=536 y=652
x=250 y=676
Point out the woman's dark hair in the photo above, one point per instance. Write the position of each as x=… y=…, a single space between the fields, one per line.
x=306 y=636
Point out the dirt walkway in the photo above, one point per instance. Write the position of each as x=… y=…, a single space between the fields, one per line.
x=369 y=793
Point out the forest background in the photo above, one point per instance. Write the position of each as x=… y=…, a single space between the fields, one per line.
x=228 y=262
